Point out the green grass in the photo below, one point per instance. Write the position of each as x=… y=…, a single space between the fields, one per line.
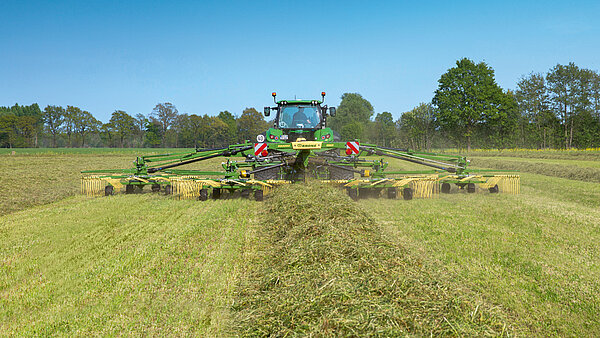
x=535 y=254
x=35 y=179
x=307 y=261
x=91 y=151
x=129 y=264
x=325 y=267
x=557 y=168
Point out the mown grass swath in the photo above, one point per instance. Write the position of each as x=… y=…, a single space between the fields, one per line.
x=325 y=267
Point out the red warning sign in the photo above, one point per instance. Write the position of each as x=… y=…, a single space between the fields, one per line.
x=259 y=147
x=353 y=147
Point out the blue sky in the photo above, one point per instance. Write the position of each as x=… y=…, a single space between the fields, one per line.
x=206 y=56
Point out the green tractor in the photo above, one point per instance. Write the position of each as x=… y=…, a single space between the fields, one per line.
x=299 y=147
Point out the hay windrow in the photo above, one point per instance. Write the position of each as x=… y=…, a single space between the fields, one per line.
x=324 y=267
x=548 y=169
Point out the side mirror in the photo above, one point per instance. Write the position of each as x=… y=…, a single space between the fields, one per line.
x=332 y=111
x=267 y=111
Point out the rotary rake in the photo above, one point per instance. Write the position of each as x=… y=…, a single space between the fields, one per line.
x=299 y=147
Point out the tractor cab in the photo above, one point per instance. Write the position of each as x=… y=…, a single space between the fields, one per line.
x=295 y=119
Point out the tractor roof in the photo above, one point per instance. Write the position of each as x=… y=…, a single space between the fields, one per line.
x=299 y=101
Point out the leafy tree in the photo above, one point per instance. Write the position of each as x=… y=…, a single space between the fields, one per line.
x=250 y=124
x=140 y=127
x=54 y=118
x=467 y=97
x=71 y=114
x=122 y=125
x=562 y=85
x=165 y=114
x=83 y=123
x=353 y=110
x=230 y=121
x=385 y=129
x=534 y=103
x=154 y=137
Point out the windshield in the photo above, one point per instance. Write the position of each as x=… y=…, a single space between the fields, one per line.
x=300 y=117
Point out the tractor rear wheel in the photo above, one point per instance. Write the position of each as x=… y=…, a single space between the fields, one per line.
x=203 y=195
x=392 y=193
x=109 y=190
x=336 y=173
x=494 y=189
x=407 y=194
x=471 y=188
x=446 y=188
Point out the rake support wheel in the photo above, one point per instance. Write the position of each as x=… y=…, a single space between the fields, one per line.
x=109 y=190
x=407 y=194
x=203 y=195
x=471 y=188
x=129 y=189
x=258 y=195
x=155 y=187
x=168 y=189
x=446 y=188
x=392 y=193
x=494 y=189
x=216 y=194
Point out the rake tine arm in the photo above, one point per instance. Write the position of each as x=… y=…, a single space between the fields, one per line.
x=224 y=153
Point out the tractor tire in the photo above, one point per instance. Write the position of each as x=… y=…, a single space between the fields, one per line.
x=392 y=193
x=109 y=190
x=336 y=173
x=129 y=189
x=155 y=187
x=203 y=195
x=471 y=188
x=407 y=194
x=245 y=193
x=353 y=193
x=168 y=189
x=445 y=188
x=259 y=195
x=216 y=193
x=269 y=174
x=494 y=189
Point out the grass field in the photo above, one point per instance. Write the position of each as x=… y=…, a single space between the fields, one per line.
x=308 y=261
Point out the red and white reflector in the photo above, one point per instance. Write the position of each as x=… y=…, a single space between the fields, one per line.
x=259 y=147
x=353 y=147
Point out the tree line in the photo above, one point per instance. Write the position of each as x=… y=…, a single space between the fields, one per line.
x=557 y=109
x=57 y=126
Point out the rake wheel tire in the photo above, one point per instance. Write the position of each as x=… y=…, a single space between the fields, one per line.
x=129 y=189
x=203 y=195
x=407 y=194
x=216 y=194
x=494 y=189
x=471 y=188
x=245 y=193
x=446 y=188
x=109 y=190
x=168 y=189
x=155 y=187
x=259 y=195
x=392 y=193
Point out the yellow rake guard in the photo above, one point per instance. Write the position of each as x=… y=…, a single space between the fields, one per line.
x=508 y=184
x=92 y=186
